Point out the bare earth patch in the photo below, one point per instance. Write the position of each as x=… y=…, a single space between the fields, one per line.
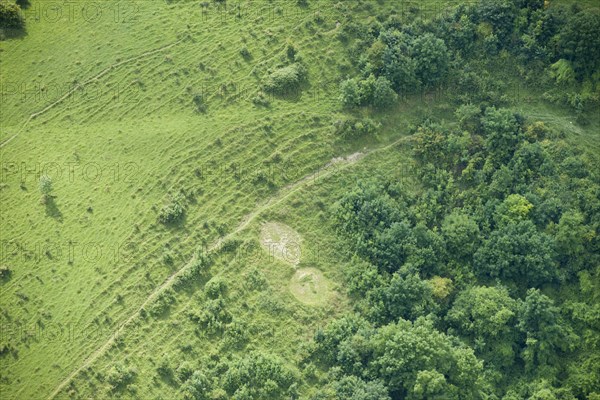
x=281 y=242
x=309 y=286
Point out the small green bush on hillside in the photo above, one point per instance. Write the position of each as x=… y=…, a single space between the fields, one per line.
x=258 y=376
x=216 y=287
x=354 y=127
x=5 y=272
x=197 y=387
x=200 y=103
x=120 y=376
x=45 y=187
x=172 y=212
x=286 y=80
x=10 y=16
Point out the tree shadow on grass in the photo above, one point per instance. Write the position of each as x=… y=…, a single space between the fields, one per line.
x=12 y=33
x=24 y=4
x=52 y=210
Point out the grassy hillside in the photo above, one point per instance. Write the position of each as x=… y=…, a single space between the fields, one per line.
x=131 y=107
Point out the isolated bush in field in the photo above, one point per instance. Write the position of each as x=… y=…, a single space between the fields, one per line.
x=286 y=79
x=173 y=211
x=199 y=265
x=10 y=16
x=6 y=347
x=45 y=186
x=236 y=334
x=245 y=52
x=120 y=376
x=200 y=103
x=291 y=51
x=5 y=272
x=197 y=269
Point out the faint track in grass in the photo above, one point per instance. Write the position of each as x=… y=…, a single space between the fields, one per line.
x=79 y=86
x=283 y=194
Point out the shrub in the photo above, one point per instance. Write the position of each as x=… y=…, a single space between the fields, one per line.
x=291 y=51
x=255 y=280
x=216 y=287
x=236 y=334
x=258 y=376
x=45 y=185
x=199 y=102
x=579 y=42
x=349 y=93
x=432 y=59
x=213 y=317
x=245 y=52
x=383 y=94
x=562 y=71
x=286 y=79
x=184 y=371
x=197 y=387
x=173 y=211
x=354 y=127
x=6 y=348
x=10 y=16
x=164 y=368
x=163 y=302
x=5 y=272
x=120 y=376
x=261 y=99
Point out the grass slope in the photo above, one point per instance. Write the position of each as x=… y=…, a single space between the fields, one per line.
x=106 y=108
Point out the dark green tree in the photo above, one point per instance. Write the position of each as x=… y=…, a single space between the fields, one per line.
x=461 y=234
x=401 y=351
x=383 y=94
x=547 y=332
x=431 y=59
x=579 y=42
x=517 y=251
x=354 y=388
x=502 y=133
x=257 y=376
x=486 y=316
x=10 y=15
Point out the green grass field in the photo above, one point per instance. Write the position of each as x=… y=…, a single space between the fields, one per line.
x=125 y=108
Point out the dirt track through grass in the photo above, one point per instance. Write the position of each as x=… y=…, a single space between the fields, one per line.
x=287 y=191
